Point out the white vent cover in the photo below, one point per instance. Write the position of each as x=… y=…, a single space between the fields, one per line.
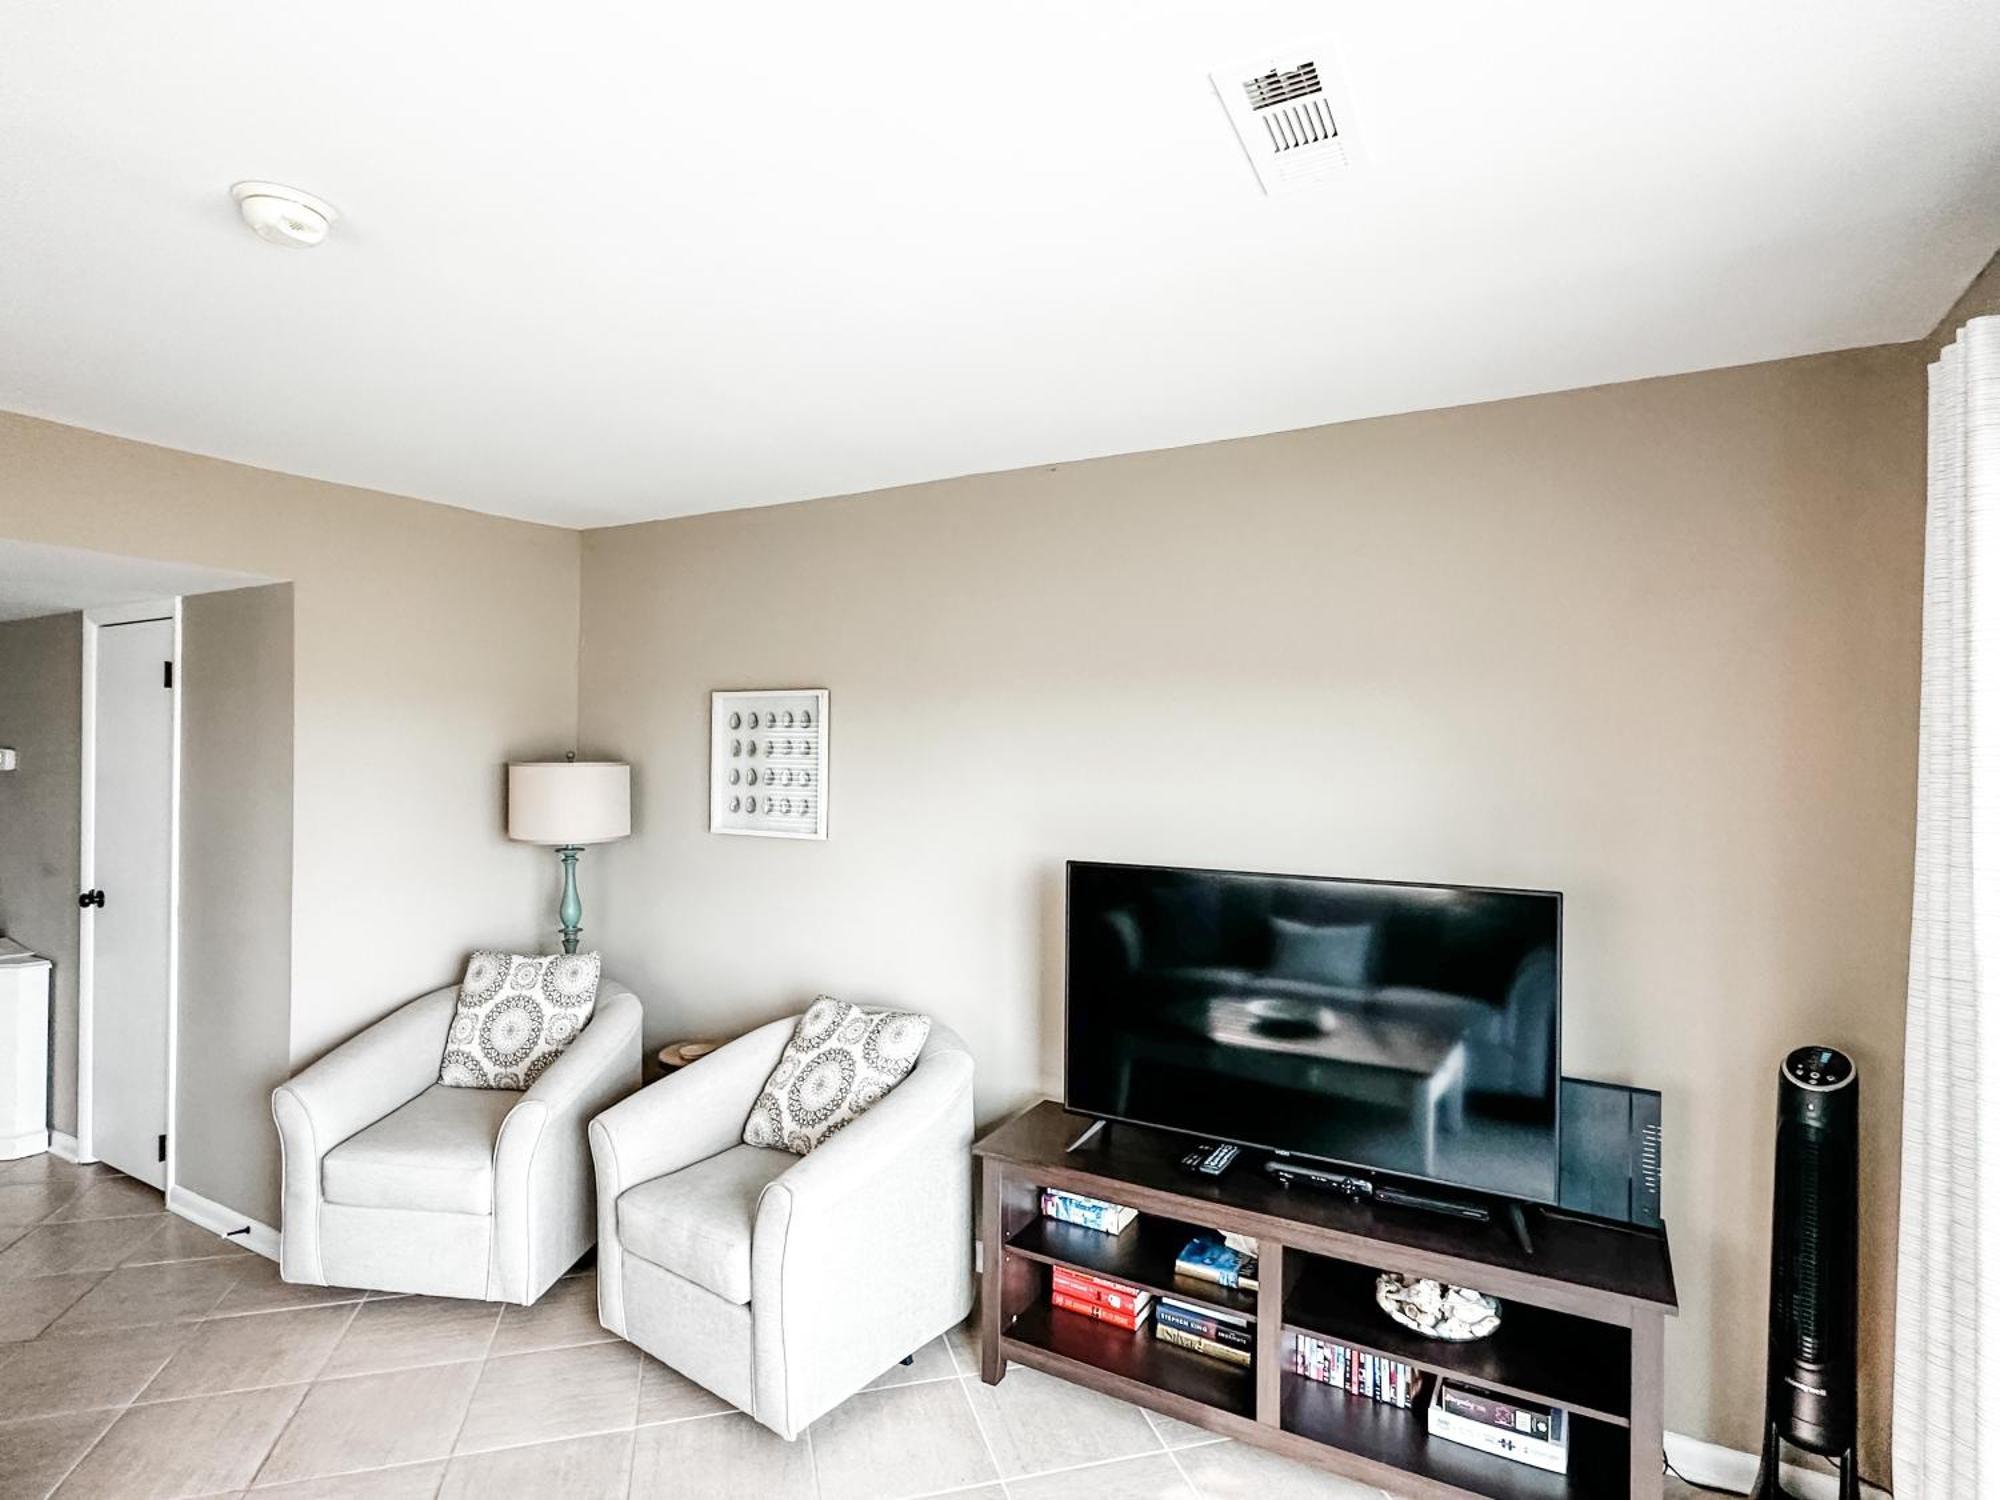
x=1293 y=115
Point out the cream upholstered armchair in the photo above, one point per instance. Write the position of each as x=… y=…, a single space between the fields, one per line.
x=785 y=1283
x=396 y=1183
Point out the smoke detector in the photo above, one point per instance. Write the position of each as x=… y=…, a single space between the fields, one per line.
x=1292 y=114
x=284 y=216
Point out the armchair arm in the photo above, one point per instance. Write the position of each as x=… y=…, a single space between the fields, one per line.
x=679 y=1121
x=542 y=1219
x=687 y=1117
x=366 y=1077
x=901 y=1175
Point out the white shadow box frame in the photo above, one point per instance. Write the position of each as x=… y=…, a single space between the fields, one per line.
x=768 y=762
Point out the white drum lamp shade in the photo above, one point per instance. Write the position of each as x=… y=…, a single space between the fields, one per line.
x=569 y=802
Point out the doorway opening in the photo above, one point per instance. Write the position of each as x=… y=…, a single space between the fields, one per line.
x=146 y=854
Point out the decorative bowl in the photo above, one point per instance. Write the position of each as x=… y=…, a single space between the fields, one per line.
x=1435 y=1309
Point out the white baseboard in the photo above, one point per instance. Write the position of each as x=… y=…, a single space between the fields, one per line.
x=226 y=1222
x=27 y=1143
x=63 y=1144
x=1723 y=1468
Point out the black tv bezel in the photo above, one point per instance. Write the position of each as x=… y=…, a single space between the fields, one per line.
x=1070 y=867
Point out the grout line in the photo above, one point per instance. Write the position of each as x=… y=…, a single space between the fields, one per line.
x=479 y=1380
x=353 y=1312
x=979 y=1426
x=698 y=1416
x=92 y=1448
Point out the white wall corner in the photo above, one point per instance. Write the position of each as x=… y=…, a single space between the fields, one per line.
x=28 y=1143
x=63 y=1144
x=1717 y=1467
x=224 y=1222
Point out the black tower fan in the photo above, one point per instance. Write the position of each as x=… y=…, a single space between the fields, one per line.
x=1810 y=1378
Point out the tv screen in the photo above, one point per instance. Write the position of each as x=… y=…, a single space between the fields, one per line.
x=1407 y=1029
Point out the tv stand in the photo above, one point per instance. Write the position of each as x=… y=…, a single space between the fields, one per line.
x=1583 y=1325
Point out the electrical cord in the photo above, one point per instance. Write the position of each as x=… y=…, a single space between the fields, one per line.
x=1667 y=1464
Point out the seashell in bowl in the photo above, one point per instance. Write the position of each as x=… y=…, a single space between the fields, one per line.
x=1436 y=1309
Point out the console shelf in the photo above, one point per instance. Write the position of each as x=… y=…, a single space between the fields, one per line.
x=1536 y=1354
x=1599 y=1454
x=1087 y=1349
x=1143 y=1255
x=1583 y=1325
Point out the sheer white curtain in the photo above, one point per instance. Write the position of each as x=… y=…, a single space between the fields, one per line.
x=1947 y=1429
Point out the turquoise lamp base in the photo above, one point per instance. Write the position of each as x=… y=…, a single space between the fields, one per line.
x=572 y=904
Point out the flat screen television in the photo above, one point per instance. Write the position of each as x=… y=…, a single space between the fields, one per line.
x=1407 y=1029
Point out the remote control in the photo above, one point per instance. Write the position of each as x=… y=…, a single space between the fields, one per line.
x=1211 y=1161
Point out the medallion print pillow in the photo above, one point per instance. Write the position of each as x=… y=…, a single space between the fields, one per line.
x=841 y=1061
x=516 y=1014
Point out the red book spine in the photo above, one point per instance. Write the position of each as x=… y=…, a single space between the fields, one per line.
x=1095 y=1310
x=1083 y=1288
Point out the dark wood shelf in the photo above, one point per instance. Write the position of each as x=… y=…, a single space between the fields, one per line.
x=1130 y=1164
x=1537 y=1354
x=1136 y=1356
x=1142 y=1255
x=1599 y=1454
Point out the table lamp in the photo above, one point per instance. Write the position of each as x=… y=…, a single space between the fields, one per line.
x=569 y=803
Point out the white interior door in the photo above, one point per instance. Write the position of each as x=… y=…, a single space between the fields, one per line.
x=131 y=864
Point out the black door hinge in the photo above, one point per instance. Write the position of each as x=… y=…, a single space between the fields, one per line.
x=163 y=1148
x=90 y=898
x=166 y=674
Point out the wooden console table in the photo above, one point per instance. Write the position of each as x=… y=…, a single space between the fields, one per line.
x=1583 y=1326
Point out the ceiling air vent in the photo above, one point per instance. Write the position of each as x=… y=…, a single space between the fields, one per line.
x=1292 y=115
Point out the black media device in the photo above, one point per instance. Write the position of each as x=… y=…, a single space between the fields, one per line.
x=1410 y=1030
x=1810 y=1376
x=1610 y=1153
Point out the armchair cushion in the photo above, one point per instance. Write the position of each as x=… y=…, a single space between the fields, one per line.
x=697 y=1222
x=841 y=1061
x=436 y=1153
x=516 y=1014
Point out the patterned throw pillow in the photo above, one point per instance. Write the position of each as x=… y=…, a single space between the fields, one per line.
x=516 y=1013
x=841 y=1061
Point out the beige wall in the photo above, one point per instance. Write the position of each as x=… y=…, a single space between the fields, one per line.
x=41 y=716
x=1980 y=299
x=235 y=682
x=432 y=645
x=1654 y=644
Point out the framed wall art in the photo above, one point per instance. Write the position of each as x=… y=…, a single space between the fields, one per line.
x=767 y=763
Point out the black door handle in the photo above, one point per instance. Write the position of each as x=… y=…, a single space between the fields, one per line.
x=90 y=898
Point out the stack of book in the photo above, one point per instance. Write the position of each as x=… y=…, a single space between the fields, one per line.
x=1523 y=1431
x=1098 y=1297
x=1209 y=1258
x=1218 y=1335
x=1371 y=1375
x=1091 y=1213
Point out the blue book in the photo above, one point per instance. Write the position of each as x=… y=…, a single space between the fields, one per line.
x=1211 y=1260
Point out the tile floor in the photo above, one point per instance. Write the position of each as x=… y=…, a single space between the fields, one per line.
x=142 y=1358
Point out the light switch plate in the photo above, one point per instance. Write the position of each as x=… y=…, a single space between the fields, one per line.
x=7 y=759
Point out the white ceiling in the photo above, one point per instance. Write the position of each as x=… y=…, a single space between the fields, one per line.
x=41 y=580
x=608 y=262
